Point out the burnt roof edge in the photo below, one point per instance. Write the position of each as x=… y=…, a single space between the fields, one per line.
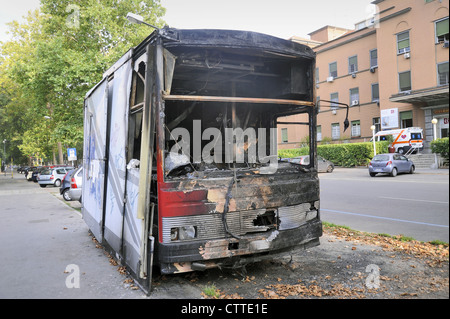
x=222 y=38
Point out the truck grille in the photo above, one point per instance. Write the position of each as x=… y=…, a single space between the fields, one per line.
x=242 y=222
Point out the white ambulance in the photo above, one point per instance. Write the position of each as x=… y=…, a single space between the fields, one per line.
x=404 y=139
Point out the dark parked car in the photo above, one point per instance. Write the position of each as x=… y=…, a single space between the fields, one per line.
x=36 y=172
x=28 y=172
x=391 y=163
x=65 y=185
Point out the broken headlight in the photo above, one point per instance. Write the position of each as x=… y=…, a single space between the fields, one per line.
x=183 y=233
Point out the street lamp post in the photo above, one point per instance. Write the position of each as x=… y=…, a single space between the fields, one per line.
x=373 y=139
x=137 y=19
x=434 y=122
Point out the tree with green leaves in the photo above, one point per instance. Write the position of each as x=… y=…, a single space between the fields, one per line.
x=54 y=58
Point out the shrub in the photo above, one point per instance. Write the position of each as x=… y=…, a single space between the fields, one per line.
x=441 y=146
x=345 y=155
x=294 y=152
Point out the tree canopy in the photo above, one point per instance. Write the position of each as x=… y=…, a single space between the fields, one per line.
x=52 y=59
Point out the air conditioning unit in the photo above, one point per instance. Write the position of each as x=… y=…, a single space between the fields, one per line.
x=407 y=55
x=372 y=69
x=333 y=112
x=355 y=102
x=330 y=79
x=353 y=75
x=446 y=44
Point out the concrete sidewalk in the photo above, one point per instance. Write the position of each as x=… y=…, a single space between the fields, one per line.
x=46 y=248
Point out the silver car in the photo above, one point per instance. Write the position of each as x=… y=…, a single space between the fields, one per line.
x=323 y=164
x=391 y=163
x=76 y=183
x=52 y=176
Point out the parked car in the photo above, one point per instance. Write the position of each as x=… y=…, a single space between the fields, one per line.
x=65 y=185
x=20 y=169
x=36 y=172
x=29 y=172
x=323 y=165
x=391 y=163
x=76 y=183
x=52 y=176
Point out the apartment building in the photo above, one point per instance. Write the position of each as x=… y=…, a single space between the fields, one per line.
x=392 y=70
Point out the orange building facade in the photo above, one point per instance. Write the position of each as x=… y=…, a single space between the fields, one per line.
x=392 y=70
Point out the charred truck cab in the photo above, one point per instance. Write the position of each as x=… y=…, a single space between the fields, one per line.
x=180 y=164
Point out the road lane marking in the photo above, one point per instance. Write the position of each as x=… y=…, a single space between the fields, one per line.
x=381 y=179
x=385 y=218
x=415 y=200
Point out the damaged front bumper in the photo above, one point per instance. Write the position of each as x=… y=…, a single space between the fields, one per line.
x=232 y=252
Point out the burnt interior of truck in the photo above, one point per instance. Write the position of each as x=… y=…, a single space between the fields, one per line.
x=225 y=73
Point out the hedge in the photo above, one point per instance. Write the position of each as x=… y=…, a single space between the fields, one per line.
x=441 y=146
x=345 y=155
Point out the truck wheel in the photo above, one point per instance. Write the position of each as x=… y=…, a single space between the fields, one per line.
x=394 y=172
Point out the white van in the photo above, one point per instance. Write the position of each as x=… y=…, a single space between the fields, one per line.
x=404 y=138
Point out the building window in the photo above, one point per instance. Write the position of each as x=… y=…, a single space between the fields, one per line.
x=354 y=96
x=375 y=92
x=334 y=97
x=335 y=131
x=441 y=27
x=373 y=58
x=317 y=75
x=319 y=133
x=352 y=64
x=356 y=128
x=442 y=69
x=377 y=123
x=333 y=69
x=404 y=79
x=284 y=135
x=318 y=103
x=403 y=42
x=406 y=119
x=428 y=1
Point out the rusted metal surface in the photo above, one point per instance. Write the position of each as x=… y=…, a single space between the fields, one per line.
x=233 y=80
x=231 y=99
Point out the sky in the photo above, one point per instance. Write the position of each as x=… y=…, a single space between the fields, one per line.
x=280 y=18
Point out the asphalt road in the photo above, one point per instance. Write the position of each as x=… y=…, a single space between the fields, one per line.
x=414 y=205
x=47 y=252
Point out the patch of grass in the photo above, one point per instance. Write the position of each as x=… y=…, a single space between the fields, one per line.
x=331 y=225
x=351 y=232
x=405 y=238
x=438 y=242
x=211 y=291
